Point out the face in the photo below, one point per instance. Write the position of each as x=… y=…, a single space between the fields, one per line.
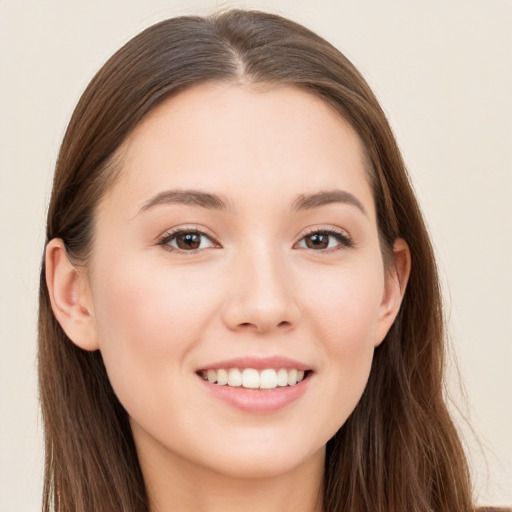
x=240 y=243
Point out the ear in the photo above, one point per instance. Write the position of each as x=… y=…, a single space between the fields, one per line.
x=396 y=278
x=70 y=296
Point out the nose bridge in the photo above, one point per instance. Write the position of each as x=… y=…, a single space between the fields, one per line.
x=261 y=293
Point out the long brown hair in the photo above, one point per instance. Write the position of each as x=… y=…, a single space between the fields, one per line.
x=399 y=450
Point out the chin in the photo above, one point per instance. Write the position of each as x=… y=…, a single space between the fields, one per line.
x=266 y=463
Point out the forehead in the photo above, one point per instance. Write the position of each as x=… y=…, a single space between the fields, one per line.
x=242 y=142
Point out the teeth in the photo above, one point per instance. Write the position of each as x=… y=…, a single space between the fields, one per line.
x=250 y=378
x=282 y=377
x=222 y=377
x=292 y=377
x=234 y=377
x=268 y=379
x=253 y=379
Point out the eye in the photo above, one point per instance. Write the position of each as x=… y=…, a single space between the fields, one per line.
x=325 y=239
x=186 y=240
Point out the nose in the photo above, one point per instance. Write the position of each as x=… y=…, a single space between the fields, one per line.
x=261 y=294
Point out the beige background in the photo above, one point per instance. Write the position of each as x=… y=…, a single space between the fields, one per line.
x=443 y=72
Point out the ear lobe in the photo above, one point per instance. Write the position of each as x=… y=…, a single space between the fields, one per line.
x=69 y=296
x=396 y=283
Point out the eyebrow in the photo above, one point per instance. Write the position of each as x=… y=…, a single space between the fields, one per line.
x=309 y=201
x=187 y=197
x=217 y=202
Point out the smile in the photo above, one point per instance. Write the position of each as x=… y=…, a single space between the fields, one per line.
x=250 y=378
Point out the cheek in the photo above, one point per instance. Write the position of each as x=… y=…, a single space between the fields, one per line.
x=346 y=305
x=344 y=311
x=147 y=323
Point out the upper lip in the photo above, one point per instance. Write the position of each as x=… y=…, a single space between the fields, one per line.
x=258 y=363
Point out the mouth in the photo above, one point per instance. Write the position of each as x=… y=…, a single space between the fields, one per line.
x=251 y=378
x=257 y=385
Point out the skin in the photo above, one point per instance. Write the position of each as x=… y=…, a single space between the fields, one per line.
x=253 y=288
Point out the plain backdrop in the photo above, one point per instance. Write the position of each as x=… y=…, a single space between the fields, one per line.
x=442 y=70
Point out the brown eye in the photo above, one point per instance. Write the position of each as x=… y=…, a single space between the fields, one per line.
x=187 y=241
x=325 y=240
x=317 y=241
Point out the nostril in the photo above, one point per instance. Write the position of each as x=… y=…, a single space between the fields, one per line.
x=264 y=326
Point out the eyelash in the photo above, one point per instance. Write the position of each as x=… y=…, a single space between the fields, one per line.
x=344 y=240
x=168 y=237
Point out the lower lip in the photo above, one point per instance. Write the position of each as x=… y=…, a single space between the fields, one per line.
x=257 y=400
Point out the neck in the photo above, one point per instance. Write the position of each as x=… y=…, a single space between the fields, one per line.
x=178 y=485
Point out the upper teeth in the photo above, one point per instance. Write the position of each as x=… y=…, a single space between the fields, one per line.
x=254 y=379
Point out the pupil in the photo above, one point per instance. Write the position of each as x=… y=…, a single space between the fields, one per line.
x=317 y=241
x=188 y=241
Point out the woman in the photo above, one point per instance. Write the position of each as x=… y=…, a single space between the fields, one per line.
x=239 y=304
